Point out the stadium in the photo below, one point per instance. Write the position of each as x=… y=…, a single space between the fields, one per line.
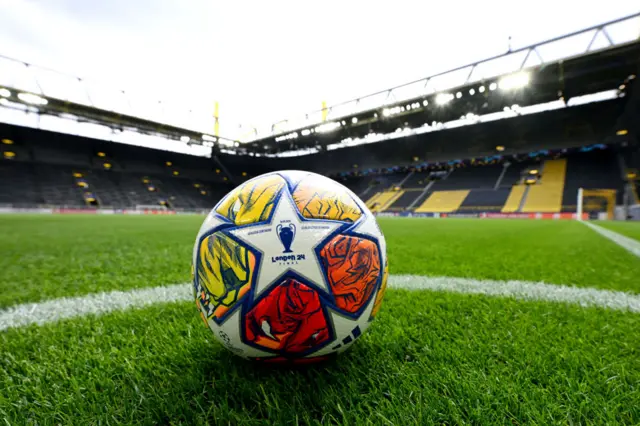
x=507 y=190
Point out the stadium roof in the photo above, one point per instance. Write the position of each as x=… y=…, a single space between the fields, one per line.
x=18 y=77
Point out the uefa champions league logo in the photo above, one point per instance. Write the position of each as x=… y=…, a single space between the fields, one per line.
x=286 y=234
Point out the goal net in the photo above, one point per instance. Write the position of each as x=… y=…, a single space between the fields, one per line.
x=596 y=204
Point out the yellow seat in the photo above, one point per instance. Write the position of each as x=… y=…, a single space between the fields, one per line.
x=513 y=201
x=546 y=196
x=443 y=202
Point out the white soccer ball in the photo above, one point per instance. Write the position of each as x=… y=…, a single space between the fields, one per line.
x=289 y=266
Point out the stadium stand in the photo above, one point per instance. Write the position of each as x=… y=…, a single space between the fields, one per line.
x=546 y=196
x=485 y=200
x=382 y=200
x=591 y=170
x=514 y=199
x=479 y=177
x=443 y=201
x=18 y=184
x=417 y=179
x=404 y=201
x=514 y=171
x=43 y=169
x=49 y=169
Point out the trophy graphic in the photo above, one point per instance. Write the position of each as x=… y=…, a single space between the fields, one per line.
x=286 y=234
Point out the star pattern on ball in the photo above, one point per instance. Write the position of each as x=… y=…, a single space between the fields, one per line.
x=287 y=243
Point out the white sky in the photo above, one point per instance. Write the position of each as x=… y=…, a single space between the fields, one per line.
x=266 y=61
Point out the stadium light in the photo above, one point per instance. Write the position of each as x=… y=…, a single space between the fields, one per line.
x=622 y=87
x=425 y=102
x=209 y=138
x=7 y=142
x=622 y=132
x=168 y=163
x=354 y=120
x=328 y=127
x=481 y=89
x=107 y=165
x=444 y=98
x=289 y=136
x=185 y=138
x=5 y=92
x=101 y=154
x=30 y=98
x=514 y=81
x=176 y=173
x=499 y=148
x=458 y=95
x=472 y=92
x=305 y=132
x=493 y=86
x=9 y=154
x=225 y=142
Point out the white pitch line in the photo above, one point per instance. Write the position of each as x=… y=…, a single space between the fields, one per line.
x=523 y=290
x=102 y=303
x=625 y=242
x=91 y=304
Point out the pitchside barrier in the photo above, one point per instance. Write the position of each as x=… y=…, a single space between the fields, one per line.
x=64 y=210
x=149 y=211
x=483 y=215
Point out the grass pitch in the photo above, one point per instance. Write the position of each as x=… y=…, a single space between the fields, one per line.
x=628 y=229
x=429 y=357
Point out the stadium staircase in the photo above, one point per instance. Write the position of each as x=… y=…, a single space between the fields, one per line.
x=382 y=200
x=515 y=198
x=546 y=196
x=443 y=202
x=404 y=201
x=420 y=198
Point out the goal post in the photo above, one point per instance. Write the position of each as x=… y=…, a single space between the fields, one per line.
x=595 y=200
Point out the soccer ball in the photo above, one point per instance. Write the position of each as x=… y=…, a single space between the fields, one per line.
x=289 y=266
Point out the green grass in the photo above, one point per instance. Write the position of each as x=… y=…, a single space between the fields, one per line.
x=429 y=358
x=43 y=257
x=51 y=256
x=629 y=229
x=556 y=252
